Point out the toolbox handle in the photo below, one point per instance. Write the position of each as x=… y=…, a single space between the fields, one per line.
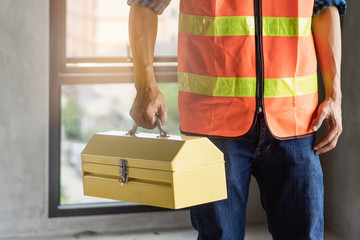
x=163 y=132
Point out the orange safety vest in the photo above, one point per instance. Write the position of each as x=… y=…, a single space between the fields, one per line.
x=238 y=58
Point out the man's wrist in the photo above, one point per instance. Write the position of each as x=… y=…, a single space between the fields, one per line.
x=334 y=94
x=144 y=79
x=146 y=88
x=145 y=84
x=332 y=85
x=336 y=99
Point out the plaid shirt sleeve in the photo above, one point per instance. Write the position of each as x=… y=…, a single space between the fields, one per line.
x=157 y=6
x=320 y=5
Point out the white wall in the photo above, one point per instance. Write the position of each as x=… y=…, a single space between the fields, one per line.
x=24 y=109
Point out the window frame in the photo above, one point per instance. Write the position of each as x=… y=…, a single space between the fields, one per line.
x=61 y=74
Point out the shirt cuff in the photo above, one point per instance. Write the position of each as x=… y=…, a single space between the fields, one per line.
x=320 y=5
x=157 y=6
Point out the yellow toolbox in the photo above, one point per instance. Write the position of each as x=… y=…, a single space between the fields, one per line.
x=171 y=172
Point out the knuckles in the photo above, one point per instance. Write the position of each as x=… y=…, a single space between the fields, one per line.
x=332 y=145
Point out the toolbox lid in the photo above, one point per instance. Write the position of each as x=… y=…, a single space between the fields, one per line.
x=151 y=151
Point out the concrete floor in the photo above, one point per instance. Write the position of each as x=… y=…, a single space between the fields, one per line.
x=254 y=232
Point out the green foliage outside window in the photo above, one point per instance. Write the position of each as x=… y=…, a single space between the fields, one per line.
x=71 y=119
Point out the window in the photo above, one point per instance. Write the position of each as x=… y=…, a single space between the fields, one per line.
x=91 y=90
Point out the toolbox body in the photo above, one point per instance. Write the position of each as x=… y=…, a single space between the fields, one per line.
x=171 y=172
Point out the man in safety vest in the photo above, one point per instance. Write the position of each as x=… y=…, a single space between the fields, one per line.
x=247 y=73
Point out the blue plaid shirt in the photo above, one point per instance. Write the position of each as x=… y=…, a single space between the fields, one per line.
x=322 y=4
x=158 y=6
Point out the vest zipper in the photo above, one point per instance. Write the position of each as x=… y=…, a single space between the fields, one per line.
x=259 y=56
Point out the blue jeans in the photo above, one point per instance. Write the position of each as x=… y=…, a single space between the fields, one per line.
x=290 y=179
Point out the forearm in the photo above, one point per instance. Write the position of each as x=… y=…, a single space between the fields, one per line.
x=142 y=34
x=149 y=103
x=327 y=37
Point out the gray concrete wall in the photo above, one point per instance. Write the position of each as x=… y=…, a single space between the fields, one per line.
x=24 y=109
x=342 y=165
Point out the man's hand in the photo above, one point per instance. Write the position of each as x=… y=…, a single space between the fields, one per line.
x=327 y=37
x=330 y=112
x=149 y=104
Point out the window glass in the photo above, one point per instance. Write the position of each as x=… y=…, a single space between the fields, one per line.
x=90 y=108
x=99 y=28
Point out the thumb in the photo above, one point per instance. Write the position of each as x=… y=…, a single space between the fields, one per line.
x=318 y=121
x=162 y=114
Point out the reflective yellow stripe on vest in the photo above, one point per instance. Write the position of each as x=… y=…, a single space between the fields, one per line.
x=244 y=25
x=246 y=87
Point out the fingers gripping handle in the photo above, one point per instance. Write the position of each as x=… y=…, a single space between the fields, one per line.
x=133 y=130
x=159 y=125
x=163 y=132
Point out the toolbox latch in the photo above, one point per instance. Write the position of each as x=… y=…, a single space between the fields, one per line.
x=124 y=171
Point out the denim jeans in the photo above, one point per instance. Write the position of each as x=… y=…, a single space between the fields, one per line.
x=290 y=179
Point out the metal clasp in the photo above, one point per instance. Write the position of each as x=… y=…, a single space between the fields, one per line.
x=124 y=171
